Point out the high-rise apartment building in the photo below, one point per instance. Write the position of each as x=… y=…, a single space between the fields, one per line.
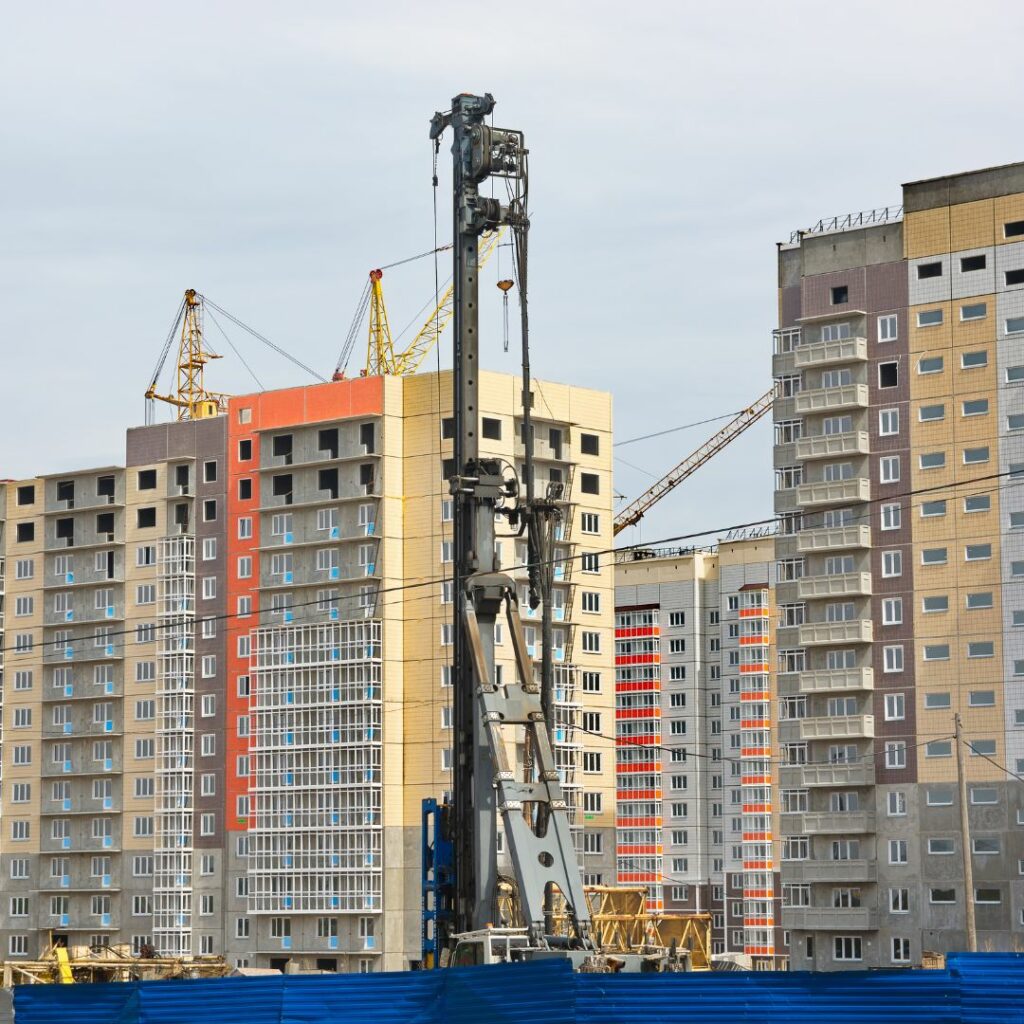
x=226 y=676
x=899 y=425
x=695 y=738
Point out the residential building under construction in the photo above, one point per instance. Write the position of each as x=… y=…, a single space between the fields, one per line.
x=226 y=677
x=899 y=420
x=695 y=735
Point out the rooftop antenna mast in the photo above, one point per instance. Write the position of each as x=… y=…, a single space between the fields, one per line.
x=533 y=811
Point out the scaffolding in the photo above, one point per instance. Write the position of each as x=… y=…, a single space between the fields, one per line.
x=316 y=832
x=175 y=735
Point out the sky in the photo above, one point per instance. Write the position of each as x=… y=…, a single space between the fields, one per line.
x=269 y=155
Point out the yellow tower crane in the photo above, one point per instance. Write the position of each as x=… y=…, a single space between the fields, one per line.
x=381 y=357
x=190 y=398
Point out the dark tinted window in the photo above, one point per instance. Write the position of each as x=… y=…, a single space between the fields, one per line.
x=245 y=488
x=589 y=483
x=26 y=495
x=146 y=517
x=147 y=479
x=926 y=270
x=840 y=294
x=1015 y=277
x=26 y=532
x=590 y=444
x=245 y=450
x=969 y=263
x=1013 y=229
x=491 y=428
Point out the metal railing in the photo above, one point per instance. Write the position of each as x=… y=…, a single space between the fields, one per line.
x=849 y=221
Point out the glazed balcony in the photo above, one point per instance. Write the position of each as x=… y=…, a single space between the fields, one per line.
x=844 y=584
x=829 y=446
x=834 y=492
x=829 y=353
x=836 y=727
x=849 y=396
x=856 y=631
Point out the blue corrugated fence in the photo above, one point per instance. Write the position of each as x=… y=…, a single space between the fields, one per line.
x=973 y=988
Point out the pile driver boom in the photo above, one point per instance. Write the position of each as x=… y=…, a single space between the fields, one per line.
x=635 y=511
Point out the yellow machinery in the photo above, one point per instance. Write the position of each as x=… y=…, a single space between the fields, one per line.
x=190 y=398
x=622 y=923
x=381 y=357
x=63 y=966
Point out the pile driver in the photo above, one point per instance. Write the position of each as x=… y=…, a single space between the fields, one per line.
x=460 y=837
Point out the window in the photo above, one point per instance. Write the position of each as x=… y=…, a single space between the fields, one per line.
x=1012 y=277
x=973 y=360
x=26 y=532
x=930 y=413
x=899 y=852
x=591 y=642
x=981 y=649
x=1014 y=325
x=887 y=327
x=888 y=422
x=987 y=896
x=927 y=270
x=209 y=587
x=846 y=947
x=938 y=748
x=971 y=263
x=891 y=517
x=895 y=754
x=889 y=469
x=936 y=652
x=974 y=311
x=145 y=555
x=591 y=682
x=930 y=364
x=977 y=552
x=933 y=508
x=935 y=603
x=591 y=762
x=977 y=503
x=840 y=294
x=973 y=456
x=491 y=428
x=900 y=950
x=929 y=318
x=590 y=522
x=941 y=846
x=932 y=460
x=591 y=601
x=888 y=375
x=145 y=517
x=589 y=483
x=895 y=707
x=589 y=444
x=983 y=845
x=933 y=556
x=892 y=563
x=892 y=611
x=209 y=510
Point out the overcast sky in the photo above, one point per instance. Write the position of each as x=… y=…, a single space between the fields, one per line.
x=268 y=155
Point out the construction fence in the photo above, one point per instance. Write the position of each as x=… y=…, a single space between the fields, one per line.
x=973 y=988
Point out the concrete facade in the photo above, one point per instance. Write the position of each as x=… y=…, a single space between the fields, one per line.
x=900 y=575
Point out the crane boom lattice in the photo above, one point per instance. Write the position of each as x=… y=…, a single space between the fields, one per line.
x=635 y=511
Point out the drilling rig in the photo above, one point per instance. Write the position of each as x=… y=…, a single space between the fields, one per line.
x=460 y=837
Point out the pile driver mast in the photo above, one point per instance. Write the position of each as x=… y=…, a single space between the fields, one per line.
x=533 y=810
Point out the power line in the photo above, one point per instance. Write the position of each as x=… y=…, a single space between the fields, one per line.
x=435 y=580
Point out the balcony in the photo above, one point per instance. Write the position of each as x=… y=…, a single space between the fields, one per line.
x=830 y=919
x=829 y=823
x=850 y=396
x=838 y=727
x=856 y=631
x=859 y=773
x=828 y=871
x=837 y=680
x=834 y=492
x=826 y=353
x=838 y=538
x=844 y=584
x=828 y=446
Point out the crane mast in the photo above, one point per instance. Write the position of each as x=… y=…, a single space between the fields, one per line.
x=533 y=810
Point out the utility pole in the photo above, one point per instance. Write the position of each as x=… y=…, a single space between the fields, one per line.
x=965 y=838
